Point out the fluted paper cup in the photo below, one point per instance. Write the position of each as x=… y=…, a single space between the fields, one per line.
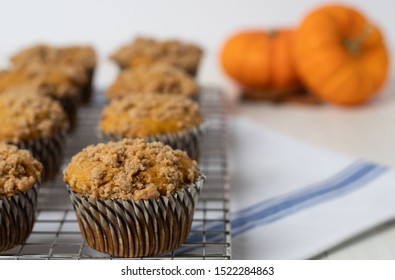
x=137 y=228
x=186 y=140
x=70 y=107
x=87 y=88
x=47 y=150
x=17 y=215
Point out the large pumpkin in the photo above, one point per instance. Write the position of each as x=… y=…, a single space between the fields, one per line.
x=261 y=60
x=340 y=55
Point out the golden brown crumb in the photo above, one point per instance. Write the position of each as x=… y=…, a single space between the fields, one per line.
x=62 y=73
x=149 y=114
x=145 y=51
x=38 y=53
x=55 y=83
x=84 y=56
x=27 y=116
x=156 y=78
x=130 y=169
x=18 y=170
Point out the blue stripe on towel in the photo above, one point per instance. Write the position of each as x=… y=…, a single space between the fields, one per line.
x=269 y=215
x=355 y=176
x=344 y=174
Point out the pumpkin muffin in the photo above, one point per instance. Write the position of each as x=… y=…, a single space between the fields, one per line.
x=50 y=82
x=19 y=184
x=82 y=58
x=146 y=51
x=170 y=119
x=156 y=78
x=35 y=123
x=133 y=198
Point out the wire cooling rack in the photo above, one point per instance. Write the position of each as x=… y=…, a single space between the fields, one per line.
x=56 y=234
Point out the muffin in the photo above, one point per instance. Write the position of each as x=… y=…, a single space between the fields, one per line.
x=145 y=51
x=52 y=83
x=156 y=78
x=19 y=185
x=35 y=123
x=171 y=119
x=133 y=198
x=82 y=58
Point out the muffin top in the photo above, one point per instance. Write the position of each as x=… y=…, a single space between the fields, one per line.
x=149 y=114
x=40 y=53
x=58 y=73
x=157 y=78
x=27 y=116
x=84 y=56
x=130 y=169
x=18 y=170
x=48 y=82
x=144 y=51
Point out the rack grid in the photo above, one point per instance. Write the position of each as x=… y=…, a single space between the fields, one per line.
x=56 y=234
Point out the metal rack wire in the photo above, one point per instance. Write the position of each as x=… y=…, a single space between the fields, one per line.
x=56 y=234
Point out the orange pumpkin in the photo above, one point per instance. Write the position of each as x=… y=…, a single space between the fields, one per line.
x=340 y=55
x=261 y=60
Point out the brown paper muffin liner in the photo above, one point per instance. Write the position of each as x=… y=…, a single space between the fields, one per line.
x=141 y=228
x=17 y=215
x=186 y=140
x=70 y=106
x=196 y=97
x=47 y=150
x=193 y=72
x=87 y=88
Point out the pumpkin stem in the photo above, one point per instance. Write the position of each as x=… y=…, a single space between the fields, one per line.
x=271 y=33
x=354 y=44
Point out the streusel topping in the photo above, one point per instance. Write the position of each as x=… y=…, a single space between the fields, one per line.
x=45 y=54
x=18 y=170
x=28 y=116
x=84 y=55
x=149 y=114
x=156 y=78
x=130 y=169
x=55 y=84
x=145 y=51
x=61 y=73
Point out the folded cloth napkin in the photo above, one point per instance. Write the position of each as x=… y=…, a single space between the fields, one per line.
x=291 y=200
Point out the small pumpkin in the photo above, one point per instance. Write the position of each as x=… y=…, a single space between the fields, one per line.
x=261 y=60
x=340 y=55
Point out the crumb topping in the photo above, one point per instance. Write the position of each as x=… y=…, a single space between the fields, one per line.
x=149 y=114
x=47 y=82
x=144 y=51
x=38 y=53
x=19 y=171
x=157 y=78
x=130 y=169
x=28 y=116
x=59 y=73
x=84 y=56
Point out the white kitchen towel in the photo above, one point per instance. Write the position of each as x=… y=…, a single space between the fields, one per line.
x=291 y=200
